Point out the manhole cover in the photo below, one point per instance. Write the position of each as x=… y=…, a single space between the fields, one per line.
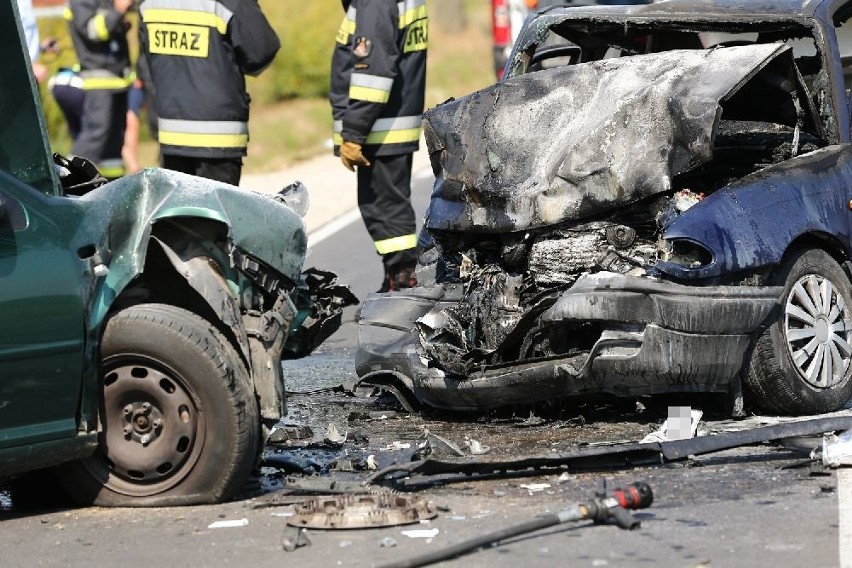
x=361 y=511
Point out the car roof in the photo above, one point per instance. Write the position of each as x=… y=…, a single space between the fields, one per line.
x=674 y=9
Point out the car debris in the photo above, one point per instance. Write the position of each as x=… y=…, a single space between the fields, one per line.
x=361 y=511
x=611 y=226
x=229 y=524
x=606 y=506
x=295 y=537
x=837 y=449
x=624 y=455
x=422 y=533
x=681 y=424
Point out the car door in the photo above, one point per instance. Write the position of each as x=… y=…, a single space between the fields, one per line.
x=41 y=311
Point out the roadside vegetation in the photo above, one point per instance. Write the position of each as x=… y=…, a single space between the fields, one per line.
x=291 y=118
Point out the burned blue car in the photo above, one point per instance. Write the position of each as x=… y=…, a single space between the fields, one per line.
x=655 y=199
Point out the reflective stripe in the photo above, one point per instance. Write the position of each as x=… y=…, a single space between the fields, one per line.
x=395 y=130
x=371 y=81
x=67 y=14
x=164 y=16
x=66 y=78
x=347 y=27
x=111 y=168
x=203 y=133
x=411 y=11
x=98 y=79
x=369 y=95
x=372 y=88
x=203 y=140
x=96 y=28
x=203 y=126
x=396 y=244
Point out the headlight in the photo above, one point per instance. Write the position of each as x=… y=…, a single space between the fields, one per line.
x=685 y=253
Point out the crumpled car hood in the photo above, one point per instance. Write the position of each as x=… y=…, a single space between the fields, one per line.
x=570 y=142
x=119 y=217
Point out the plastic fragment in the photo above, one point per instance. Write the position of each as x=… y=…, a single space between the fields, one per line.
x=229 y=524
x=421 y=533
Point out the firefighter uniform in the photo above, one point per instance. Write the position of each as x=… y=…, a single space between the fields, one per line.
x=198 y=52
x=99 y=34
x=378 y=83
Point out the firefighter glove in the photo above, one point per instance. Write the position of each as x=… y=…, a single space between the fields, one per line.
x=351 y=155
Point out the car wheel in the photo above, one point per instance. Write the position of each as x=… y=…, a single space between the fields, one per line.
x=178 y=415
x=801 y=362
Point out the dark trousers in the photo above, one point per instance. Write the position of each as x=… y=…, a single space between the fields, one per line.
x=226 y=170
x=101 y=133
x=384 y=198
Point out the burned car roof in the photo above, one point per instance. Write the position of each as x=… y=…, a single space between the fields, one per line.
x=703 y=8
x=618 y=131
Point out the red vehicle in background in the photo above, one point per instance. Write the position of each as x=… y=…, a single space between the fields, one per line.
x=507 y=18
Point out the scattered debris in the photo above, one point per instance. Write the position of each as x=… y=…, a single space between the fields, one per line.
x=535 y=487
x=442 y=446
x=333 y=436
x=605 y=507
x=621 y=455
x=837 y=450
x=361 y=511
x=396 y=446
x=295 y=537
x=682 y=424
x=371 y=463
x=229 y=524
x=387 y=542
x=475 y=448
x=421 y=533
x=290 y=434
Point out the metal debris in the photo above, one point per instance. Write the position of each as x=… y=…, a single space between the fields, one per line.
x=361 y=511
x=294 y=537
x=837 y=449
x=627 y=455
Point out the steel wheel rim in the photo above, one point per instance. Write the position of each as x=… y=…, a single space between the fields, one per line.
x=817 y=328
x=138 y=456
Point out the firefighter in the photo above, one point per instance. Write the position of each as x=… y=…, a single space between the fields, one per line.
x=378 y=83
x=198 y=53
x=99 y=33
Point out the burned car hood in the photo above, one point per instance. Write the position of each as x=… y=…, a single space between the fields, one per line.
x=118 y=218
x=563 y=144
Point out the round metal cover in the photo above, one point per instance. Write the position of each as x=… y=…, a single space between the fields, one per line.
x=361 y=511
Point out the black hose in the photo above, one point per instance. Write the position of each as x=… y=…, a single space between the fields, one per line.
x=573 y=514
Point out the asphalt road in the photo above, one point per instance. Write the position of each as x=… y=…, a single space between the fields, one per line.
x=756 y=506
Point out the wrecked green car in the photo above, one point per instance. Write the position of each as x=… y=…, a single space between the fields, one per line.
x=143 y=320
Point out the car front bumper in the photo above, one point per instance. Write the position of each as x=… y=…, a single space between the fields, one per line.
x=655 y=336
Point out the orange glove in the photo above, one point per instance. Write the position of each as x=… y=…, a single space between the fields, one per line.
x=351 y=155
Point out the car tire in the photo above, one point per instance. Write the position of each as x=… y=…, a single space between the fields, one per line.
x=801 y=363
x=179 y=419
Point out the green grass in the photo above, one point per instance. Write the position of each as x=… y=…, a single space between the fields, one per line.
x=290 y=116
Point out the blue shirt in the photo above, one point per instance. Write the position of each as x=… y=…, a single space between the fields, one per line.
x=28 y=22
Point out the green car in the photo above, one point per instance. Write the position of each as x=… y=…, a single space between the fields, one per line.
x=142 y=321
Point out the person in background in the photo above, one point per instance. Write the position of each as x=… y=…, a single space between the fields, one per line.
x=135 y=102
x=198 y=54
x=377 y=95
x=99 y=33
x=34 y=44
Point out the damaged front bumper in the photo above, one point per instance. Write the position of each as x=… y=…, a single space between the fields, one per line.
x=650 y=336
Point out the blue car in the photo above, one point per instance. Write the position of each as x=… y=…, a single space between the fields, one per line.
x=654 y=199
